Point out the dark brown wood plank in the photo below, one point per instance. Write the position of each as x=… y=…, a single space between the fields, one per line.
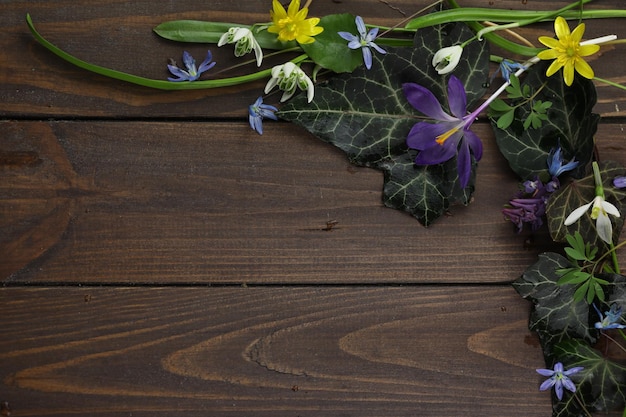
x=118 y=34
x=215 y=203
x=269 y=352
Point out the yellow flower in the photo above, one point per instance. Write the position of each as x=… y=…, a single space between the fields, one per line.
x=567 y=51
x=293 y=24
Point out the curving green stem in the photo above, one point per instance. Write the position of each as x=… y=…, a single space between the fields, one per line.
x=149 y=82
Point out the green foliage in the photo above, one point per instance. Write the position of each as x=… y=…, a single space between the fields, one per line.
x=211 y=32
x=330 y=50
x=579 y=192
x=567 y=334
x=558 y=115
x=366 y=115
x=588 y=286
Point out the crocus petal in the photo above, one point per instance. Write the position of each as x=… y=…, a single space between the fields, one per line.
x=577 y=214
x=423 y=100
x=436 y=154
x=457 y=99
x=423 y=134
x=474 y=143
x=464 y=165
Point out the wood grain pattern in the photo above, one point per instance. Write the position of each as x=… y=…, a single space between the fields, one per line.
x=295 y=351
x=215 y=203
x=158 y=258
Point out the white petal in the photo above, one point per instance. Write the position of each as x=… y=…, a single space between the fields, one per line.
x=258 y=52
x=270 y=84
x=577 y=214
x=604 y=227
x=224 y=39
x=240 y=33
x=610 y=208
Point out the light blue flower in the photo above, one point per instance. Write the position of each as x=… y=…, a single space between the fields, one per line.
x=191 y=73
x=558 y=379
x=508 y=67
x=257 y=112
x=611 y=318
x=555 y=163
x=365 y=41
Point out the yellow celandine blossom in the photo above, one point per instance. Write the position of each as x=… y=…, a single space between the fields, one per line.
x=567 y=51
x=293 y=24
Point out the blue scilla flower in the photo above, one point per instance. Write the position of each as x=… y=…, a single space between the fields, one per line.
x=257 y=112
x=191 y=73
x=555 y=163
x=365 y=41
x=611 y=318
x=559 y=378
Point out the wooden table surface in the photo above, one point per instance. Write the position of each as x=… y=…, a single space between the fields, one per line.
x=159 y=258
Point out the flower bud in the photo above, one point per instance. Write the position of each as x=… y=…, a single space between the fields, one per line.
x=446 y=59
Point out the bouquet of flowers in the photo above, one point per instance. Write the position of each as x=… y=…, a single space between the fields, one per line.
x=403 y=100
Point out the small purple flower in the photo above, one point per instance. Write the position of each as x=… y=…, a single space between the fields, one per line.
x=451 y=135
x=558 y=379
x=619 y=182
x=257 y=112
x=555 y=163
x=611 y=318
x=365 y=41
x=191 y=73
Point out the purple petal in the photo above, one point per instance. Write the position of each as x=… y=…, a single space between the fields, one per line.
x=360 y=25
x=573 y=370
x=457 y=99
x=474 y=143
x=436 y=154
x=372 y=34
x=423 y=100
x=348 y=36
x=547 y=384
x=188 y=60
x=378 y=48
x=558 y=389
x=545 y=372
x=367 y=57
x=423 y=134
x=464 y=165
x=355 y=44
x=568 y=384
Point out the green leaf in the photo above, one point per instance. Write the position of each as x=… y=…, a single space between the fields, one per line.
x=330 y=50
x=578 y=193
x=570 y=124
x=554 y=316
x=602 y=383
x=211 y=32
x=366 y=115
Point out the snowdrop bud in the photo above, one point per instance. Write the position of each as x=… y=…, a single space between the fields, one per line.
x=446 y=59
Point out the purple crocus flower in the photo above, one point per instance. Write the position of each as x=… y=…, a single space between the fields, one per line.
x=191 y=73
x=365 y=41
x=451 y=135
x=558 y=379
x=257 y=112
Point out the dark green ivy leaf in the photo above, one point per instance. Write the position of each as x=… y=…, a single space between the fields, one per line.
x=580 y=192
x=366 y=115
x=569 y=123
x=555 y=316
x=603 y=384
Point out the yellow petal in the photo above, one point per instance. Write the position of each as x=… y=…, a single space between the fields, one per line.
x=278 y=11
x=294 y=6
x=549 y=42
x=554 y=67
x=587 y=50
x=545 y=54
x=584 y=69
x=568 y=73
x=561 y=28
x=577 y=34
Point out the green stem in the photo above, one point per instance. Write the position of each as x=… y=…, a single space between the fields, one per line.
x=611 y=83
x=149 y=82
